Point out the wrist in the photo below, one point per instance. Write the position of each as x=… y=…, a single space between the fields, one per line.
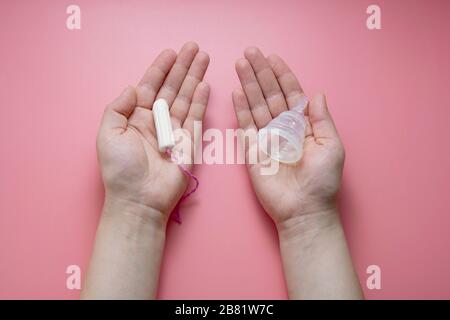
x=305 y=226
x=316 y=260
x=134 y=214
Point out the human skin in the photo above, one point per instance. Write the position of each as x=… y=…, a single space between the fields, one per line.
x=142 y=185
x=300 y=198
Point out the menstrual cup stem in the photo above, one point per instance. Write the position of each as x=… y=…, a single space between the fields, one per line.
x=302 y=103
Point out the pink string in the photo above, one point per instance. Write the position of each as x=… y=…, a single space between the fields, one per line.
x=176 y=211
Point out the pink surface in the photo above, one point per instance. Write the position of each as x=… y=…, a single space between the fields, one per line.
x=388 y=90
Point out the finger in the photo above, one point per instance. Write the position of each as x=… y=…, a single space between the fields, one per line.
x=245 y=120
x=288 y=82
x=320 y=118
x=117 y=112
x=255 y=97
x=267 y=81
x=154 y=77
x=180 y=106
x=175 y=78
x=242 y=110
x=308 y=128
x=198 y=107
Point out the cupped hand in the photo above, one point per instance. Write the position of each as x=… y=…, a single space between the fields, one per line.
x=269 y=87
x=132 y=167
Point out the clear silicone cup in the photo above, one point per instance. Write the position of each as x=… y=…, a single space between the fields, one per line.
x=282 y=139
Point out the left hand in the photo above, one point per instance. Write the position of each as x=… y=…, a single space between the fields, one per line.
x=132 y=167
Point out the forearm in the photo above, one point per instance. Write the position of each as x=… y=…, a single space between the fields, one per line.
x=127 y=253
x=316 y=260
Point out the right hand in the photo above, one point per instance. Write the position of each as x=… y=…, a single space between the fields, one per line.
x=310 y=186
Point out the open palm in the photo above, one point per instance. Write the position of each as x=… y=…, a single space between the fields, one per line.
x=132 y=167
x=268 y=88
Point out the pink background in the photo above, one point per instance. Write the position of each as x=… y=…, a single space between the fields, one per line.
x=387 y=89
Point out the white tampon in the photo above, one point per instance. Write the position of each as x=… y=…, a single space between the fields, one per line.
x=163 y=125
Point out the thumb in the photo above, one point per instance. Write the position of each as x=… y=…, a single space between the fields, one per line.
x=117 y=112
x=320 y=118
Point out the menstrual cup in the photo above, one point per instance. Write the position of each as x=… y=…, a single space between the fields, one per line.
x=282 y=138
